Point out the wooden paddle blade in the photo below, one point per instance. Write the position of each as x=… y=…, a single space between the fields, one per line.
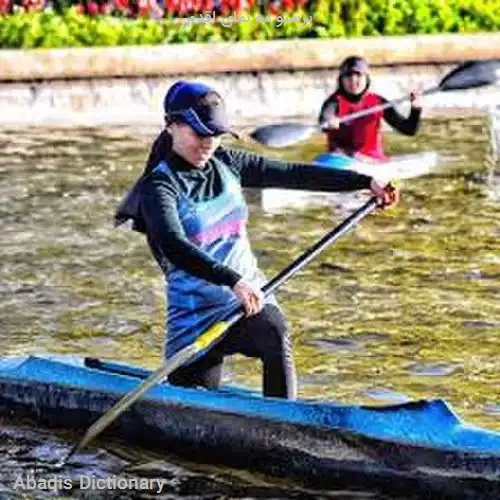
x=472 y=74
x=283 y=134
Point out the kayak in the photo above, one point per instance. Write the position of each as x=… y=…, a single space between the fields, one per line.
x=396 y=168
x=420 y=444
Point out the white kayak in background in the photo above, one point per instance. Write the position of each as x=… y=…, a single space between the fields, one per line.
x=397 y=168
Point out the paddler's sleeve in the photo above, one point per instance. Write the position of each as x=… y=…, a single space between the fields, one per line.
x=163 y=226
x=259 y=172
x=407 y=126
x=328 y=109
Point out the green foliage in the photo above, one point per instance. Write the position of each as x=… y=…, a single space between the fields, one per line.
x=330 y=19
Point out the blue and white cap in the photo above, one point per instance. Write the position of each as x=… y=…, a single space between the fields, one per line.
x=199 y=106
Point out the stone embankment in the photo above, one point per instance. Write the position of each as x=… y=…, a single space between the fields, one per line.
x=261 y=81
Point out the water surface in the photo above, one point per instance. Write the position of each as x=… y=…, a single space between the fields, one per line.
x=406 y=306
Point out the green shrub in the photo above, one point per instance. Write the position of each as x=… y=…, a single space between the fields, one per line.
x=330 y=19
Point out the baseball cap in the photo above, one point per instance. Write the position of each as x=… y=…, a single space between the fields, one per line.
x=199 y=106
x=354 y=64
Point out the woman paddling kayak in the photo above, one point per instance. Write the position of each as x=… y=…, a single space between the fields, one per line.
x=361 y=137
x=190 y=205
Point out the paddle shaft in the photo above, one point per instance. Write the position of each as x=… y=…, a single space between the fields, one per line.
x=217 y=331
x=386 y=105
x=319 y=246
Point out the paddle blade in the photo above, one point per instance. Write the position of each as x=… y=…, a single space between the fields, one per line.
x=472 y=74
x=283 y=134
x=130 y=398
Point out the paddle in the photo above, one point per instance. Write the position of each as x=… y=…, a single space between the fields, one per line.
x=466 y=76
x=217 y=330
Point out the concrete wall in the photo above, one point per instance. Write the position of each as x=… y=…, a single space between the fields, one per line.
x=260 y=80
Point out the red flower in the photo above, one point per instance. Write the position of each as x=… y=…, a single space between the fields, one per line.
x=208 y=5
x=273 y=9
x=121 y=5
x=33 y=5
x=197 y=6
x=143 y=8
x=92 y=8
x=172 y=6
x=241 y=6
x=225 y=7
x=4 y=6
x=288 y=5
x=185 y=7
x=105 y=9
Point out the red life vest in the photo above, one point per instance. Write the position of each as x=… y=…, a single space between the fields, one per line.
x=362 y=135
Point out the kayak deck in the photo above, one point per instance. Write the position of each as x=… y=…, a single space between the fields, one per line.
x=397 y=168
x=416 y=440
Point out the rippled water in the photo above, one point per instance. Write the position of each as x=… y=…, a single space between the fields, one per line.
x=407 y=305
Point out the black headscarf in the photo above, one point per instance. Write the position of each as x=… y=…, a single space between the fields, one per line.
x=349 y=65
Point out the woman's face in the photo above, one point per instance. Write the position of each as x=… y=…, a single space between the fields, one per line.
x=354 y=83
x=194 y=148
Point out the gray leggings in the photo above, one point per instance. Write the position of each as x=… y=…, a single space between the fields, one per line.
x=264 y=336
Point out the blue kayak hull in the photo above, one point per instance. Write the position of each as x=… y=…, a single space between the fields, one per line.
x=332 y=160
x=324 y=444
